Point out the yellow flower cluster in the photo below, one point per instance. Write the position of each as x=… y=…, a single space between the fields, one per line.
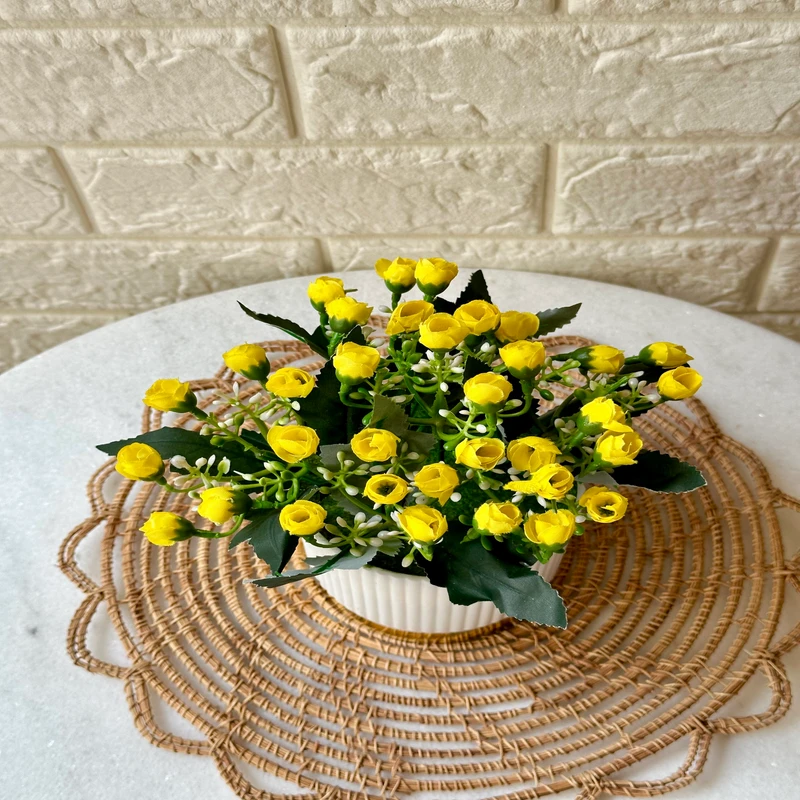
x=457 y=425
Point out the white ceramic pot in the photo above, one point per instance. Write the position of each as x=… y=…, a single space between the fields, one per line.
x=408 y=602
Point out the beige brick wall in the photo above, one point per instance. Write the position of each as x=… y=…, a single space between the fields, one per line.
x=155 y=150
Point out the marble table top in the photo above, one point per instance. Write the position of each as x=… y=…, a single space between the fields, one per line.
x=67 y=734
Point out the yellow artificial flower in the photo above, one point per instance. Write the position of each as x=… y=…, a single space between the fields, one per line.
x=324 y=290
x=531 y=452
x=487 y=391
x=442 y=332
x=169 y=394
x=219 y=504
x=290 y=382
x=163 y=528
x=679 y=383
x=375 y=444
x=434 y=275
x=249 y=360
x=386 y=489
x=618 y=447
x=600 y=414
x=398 y=275
x=516 y=325
x=292 y=443
x=523 y=358
x=551 y=528
x=139 y=462
x=423 y=523
x=478 y=316
x=665 y=354
x=437 y=481
x=347 y=312
x=603 y=505
x=483 y=454
x=497 y=518
x=604 y=358
x=355 y=363
x=552 y=481
x=302 y=518
x=407 y=317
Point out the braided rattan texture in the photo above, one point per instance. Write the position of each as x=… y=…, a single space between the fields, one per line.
x=672 y=612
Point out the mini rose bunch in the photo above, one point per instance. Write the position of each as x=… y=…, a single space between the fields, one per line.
x=451 y=444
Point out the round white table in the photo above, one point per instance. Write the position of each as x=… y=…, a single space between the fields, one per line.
x=67 y=734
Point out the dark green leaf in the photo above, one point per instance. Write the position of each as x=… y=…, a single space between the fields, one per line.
x=473 y=367
x=317 y=341
x=526 y=424
x=476 y=289
x=323 y=411
x=388 y=416
x=269 y=540
x=319 y=566
x=191 y=445
x=443 y=306
x=471 y=574
x=355 y=335
x=659 y=472
x=555 y=318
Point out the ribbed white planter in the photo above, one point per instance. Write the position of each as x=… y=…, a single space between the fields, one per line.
x=408 y=602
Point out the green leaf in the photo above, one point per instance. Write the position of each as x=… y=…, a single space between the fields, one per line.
x=471 y=574
x=526 y=424
x=474 y=366
x=269 y=540
x=660 y=472
x=555 y=318
x=323 y=411
x=191 y=445
x=319 y=566
x=388 y=416
x=476 y=289
x=317 y=341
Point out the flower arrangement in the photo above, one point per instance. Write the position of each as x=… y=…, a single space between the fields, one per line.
x=451 y=446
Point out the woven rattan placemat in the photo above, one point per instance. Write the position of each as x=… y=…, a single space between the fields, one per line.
x=672 y=612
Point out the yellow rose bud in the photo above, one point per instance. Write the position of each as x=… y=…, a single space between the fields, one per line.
x=600 y=414
x=552 y=528
x=290 y=382
x=355 y=363
x=487 y=391
x=665 y=354
x=324 y=290
x=531 y=452
x=618 y=447
x=679 y=383
x=603 y=505
x=386 y=489
x=139 y=462
x=482 y=454
x=442 y=332
x=249 y=360
x=497 y=518
x=423 y=523
x=347 y=312
x=169 y=394
x=220 y=504
x=374 y=444
x=516 y=325
x=437 y=481
x=478 y=316
x=398 y=275
x=552 y=481
x=434 y=275
x=302 y=518
x=164 y=528
x=601 y=358
x=407 y=317
x=523 y=358
x=292 y=443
